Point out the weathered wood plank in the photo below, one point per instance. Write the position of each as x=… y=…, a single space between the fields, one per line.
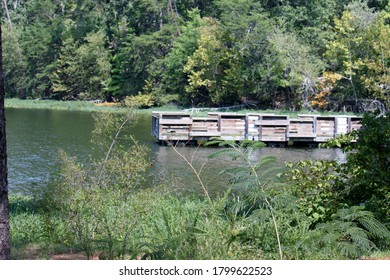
x=272 y=122
x=262 y=127
x=175 y=121
x=205 y=133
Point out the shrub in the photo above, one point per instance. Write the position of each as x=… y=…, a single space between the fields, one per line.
x=140 y=101
x=368 y=167
x=314 y=183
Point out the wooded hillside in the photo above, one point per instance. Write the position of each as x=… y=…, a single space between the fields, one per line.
x=321 y=54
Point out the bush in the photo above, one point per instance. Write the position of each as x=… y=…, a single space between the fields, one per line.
x=140 y=101
x=365 y=176
x=368 y=167
x=314 y=183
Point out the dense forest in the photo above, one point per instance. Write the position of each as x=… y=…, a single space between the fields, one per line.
x=321 y=54
x=280 y=54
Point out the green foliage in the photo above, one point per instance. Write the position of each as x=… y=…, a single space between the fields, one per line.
x=252 y=176
x=82 y=71
x=376 y=64
x=351 y=232
x=364 y=177
x=140 y=101
x=99 y=208
x=297 y=68
x=173 y=78
x=26 y=224
x=215 y=53
x=341 y=141
x=176 y=233
x=362 y=180
x=93 y=198
x=205 y=53
x=15 y=64
x=359 y=53
x=206 y=66
x=368 y=166
x=314 y=183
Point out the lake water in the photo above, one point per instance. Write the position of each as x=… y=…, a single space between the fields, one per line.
x=36 y=135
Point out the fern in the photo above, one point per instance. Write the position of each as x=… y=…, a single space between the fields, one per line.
x=264 y=162
x=173 y=242
x=364 y=219
x=225 y=152
x=251 y=174
x=351 y=231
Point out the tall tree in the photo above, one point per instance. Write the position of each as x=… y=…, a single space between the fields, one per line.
x=355 y=53
x=297 y=69
x=15 y=63
x=376 y=77
x=206 y=66
x=174 y=79
x=5 y=251
x=251 y=73
x=82 y=71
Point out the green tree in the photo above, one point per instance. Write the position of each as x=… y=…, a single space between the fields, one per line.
x=311 y=20
x=64 y=77
x=173 y=78
x=206 y=67
x=136 y=61
x=369 y=166
x=93 y=67
x=39 y=27
x=376 y=69
x=349 y=49
x=297 y=69
x=82 y=71
x=15 y=64
x=250 y=73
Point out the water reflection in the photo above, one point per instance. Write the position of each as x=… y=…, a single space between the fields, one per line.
x=171 y=166
x=34 y=139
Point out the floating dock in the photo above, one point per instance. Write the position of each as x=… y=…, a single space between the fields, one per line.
x=268 y=128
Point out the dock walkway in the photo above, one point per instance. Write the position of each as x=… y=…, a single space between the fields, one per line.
x=268 y=128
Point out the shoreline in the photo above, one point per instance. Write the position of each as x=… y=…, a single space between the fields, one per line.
x=87 y=106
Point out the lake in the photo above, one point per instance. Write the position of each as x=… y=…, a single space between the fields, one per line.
x=36 y=135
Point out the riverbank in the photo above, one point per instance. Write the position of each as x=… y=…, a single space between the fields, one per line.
x=86 y=106
x=117 y=107
x=165 y=227
x=59 y=105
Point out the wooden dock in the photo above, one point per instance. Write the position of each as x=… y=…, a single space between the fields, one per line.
x=268 y=128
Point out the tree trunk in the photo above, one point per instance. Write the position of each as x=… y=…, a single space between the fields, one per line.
x=7 y=12
x=5 y=251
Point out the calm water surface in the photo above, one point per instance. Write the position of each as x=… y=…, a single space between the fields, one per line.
x=35 y=137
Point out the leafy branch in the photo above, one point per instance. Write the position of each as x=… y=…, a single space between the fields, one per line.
x=251 y=172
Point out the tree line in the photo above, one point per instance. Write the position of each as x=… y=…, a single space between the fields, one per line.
x=322 y=54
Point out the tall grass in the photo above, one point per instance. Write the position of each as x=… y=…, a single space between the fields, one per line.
x=58 y=105
x=78 y=106
x=156 y=224
x=91 y=107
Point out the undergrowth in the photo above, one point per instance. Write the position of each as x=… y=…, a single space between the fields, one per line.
x=104 y=209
